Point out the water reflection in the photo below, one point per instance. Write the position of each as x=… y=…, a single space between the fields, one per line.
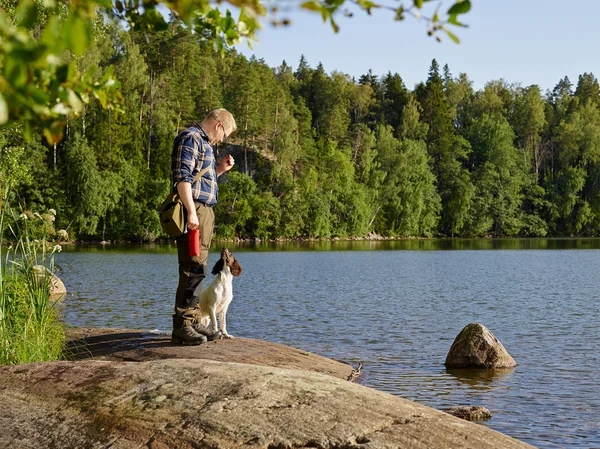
x=361 y=245
x=480 y=379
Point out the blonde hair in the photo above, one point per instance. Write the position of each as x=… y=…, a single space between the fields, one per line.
x=224 y=117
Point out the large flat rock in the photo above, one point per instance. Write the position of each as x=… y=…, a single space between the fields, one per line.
x=195 y=403
x=139 y=346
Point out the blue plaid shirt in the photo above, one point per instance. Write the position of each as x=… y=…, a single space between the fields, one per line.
x=192 y=152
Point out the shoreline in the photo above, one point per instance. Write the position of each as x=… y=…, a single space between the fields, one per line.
x=378 y=238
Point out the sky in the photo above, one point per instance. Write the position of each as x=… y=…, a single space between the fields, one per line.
x=523 y=42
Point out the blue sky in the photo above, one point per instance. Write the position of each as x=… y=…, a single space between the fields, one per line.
x=525 y=42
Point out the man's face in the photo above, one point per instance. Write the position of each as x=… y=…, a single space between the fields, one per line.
x=222 y=133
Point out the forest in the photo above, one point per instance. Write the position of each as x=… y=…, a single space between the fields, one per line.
x=318 y=155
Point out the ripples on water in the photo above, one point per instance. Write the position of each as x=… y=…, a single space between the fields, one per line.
x=398 y=312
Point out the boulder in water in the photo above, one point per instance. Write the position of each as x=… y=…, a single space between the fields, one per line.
x=470 y=413
x=476 y=347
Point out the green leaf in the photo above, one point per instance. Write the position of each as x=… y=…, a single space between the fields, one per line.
x=3 y=110
x=101 y=96
x=156 y=19
x=27 y=129
x=36 y=95
x=108 y=73
x=452 y=20
x=78 y=32
x=452 y=36
x=418 y=3
x=460 y=7
x=51 y=37
x=312 y=6
x=27 y=13
x=54 y=132
x=367 y=5
x=61 y=73
x=232 y=34
x=334 y=25
x=228 y=24
x=399 y=13
x=75 y=102
x=15 y=71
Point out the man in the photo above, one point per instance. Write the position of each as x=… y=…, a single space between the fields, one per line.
x=193 y=153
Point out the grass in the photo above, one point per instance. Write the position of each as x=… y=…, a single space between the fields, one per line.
x=30 y=326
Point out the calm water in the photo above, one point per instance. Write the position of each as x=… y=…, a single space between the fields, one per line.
x=397 y=306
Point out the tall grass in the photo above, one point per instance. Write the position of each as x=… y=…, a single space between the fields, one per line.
x=30 y=326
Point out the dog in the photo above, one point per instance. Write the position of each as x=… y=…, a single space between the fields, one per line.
x=215 y=299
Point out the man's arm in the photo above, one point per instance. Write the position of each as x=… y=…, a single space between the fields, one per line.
x=185 y=193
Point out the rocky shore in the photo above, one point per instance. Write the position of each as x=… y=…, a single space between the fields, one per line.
x=133 y=389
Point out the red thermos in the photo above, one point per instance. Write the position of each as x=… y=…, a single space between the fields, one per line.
x=194 y=238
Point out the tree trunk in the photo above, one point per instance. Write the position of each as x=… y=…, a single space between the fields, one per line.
x=246 y=140
x=356 y=145
x=150 y=119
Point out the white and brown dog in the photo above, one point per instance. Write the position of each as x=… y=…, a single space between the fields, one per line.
x=216 y=298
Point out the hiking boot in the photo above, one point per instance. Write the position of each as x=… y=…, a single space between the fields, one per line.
x=186 y=335
x=206 y=331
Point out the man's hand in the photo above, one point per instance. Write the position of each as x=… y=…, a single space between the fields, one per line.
x=225 y=165
x=185 y=193
x=192 y=222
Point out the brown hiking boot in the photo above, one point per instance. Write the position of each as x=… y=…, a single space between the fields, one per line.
x=186 y=335
x=207 y=332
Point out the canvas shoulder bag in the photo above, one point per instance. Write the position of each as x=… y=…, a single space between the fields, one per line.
x=172 y=211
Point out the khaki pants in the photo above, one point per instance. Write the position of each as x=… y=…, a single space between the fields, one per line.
x=192 y=270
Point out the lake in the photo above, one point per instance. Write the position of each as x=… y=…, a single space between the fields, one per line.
x=396 y=306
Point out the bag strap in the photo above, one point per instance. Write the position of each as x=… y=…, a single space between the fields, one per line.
x=201 y=173
x=198 y=176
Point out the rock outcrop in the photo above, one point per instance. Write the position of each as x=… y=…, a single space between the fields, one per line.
x=476 y=347
x=190 y=403
x=132 y=389
x=141 y=346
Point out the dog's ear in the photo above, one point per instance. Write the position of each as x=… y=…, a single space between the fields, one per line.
x=236 y=268
x=218 y=266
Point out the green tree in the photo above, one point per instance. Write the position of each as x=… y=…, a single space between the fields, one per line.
x=84 y=187
x=567 y=213
x=409 y=202
x=448 y=152
x=528 y=121
x=588 y=89
x=459 y=93
x=496 y=100
x=411 y=126
x=395 y=98
x=234 y=209
x=579 y=136
x=498 y=178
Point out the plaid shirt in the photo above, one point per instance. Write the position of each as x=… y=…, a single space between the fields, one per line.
x=192 y=152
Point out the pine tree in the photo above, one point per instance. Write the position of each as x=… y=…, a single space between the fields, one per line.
x=448 y=152
x=396 y=97
x=588 y=89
